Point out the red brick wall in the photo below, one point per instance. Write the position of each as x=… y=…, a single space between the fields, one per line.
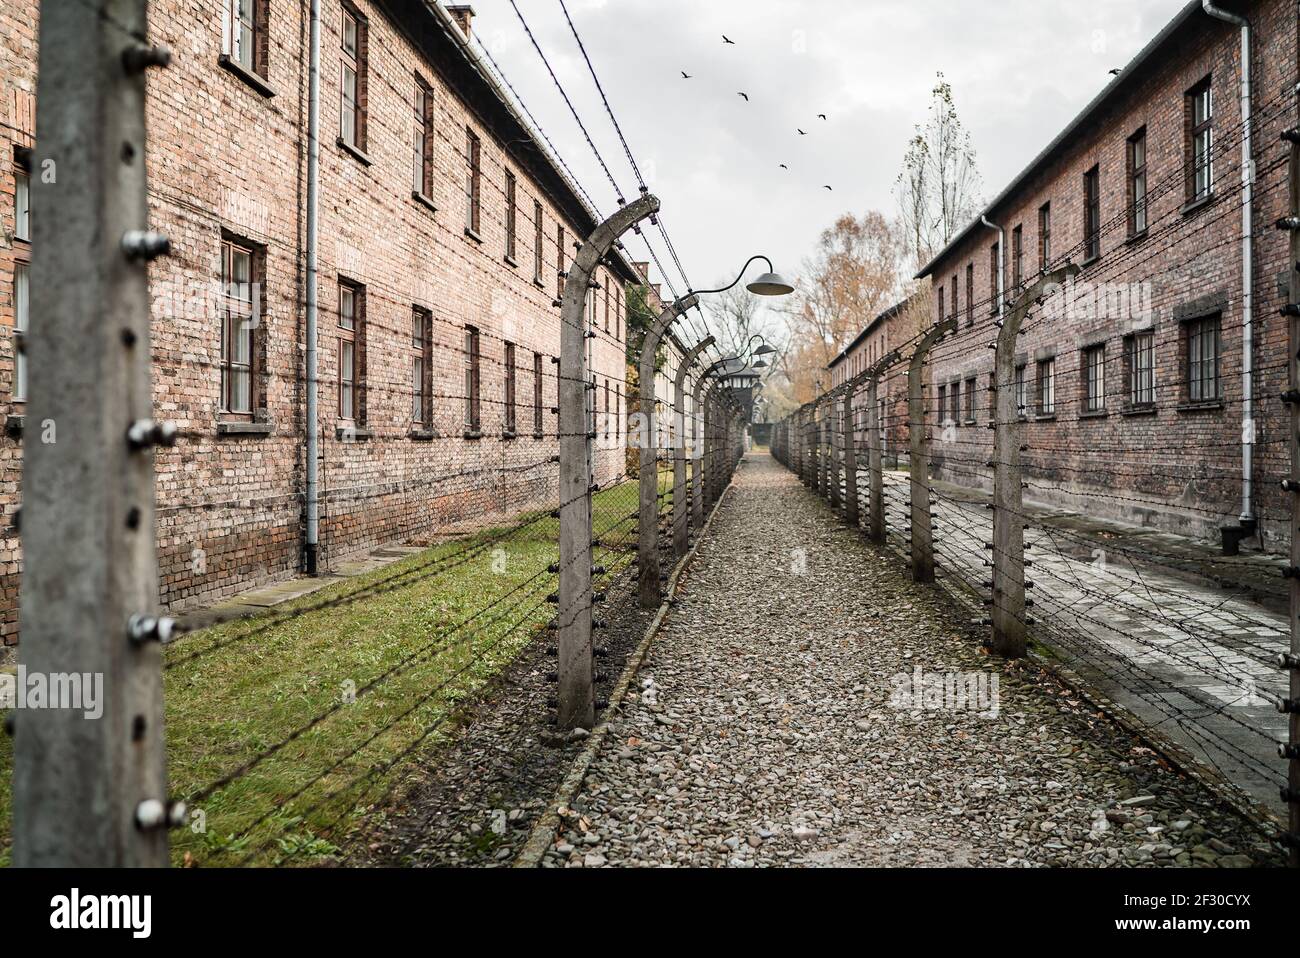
x=224 y=158
x=1176 y=468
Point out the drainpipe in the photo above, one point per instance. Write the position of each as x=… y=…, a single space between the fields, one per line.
x=312 y=537
x=1247 y=268
x=1002 y=265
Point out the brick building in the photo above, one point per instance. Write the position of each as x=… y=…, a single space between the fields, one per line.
x=894 y=329
x=445 y=229
x=1130 y=381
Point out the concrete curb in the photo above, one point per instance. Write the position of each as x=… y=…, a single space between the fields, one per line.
x=548 y=825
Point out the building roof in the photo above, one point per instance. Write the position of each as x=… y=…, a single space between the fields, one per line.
x=867 y=331
x=1122 y=82
x=447 y=49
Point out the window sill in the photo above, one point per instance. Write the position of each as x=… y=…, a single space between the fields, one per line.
x=1212 y=405
x=472 y=434
x=970 y=422
x=1045 y=417
x=511 y=261
x=1195 y=206
x=538 y=283
x=1095 y=414
x=244 y=427
x=423 y=200
x=539 y=435
x=248 y=76
x=355 y=152
x=352 y=433
x=1139 y=411
x=1136 y=239
x=509 y=434
x=421 y=435
x=473 y=234
x=1089 y=261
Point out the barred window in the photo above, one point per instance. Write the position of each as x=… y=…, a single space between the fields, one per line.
x=1022 y=392
x=1092 y=213
x=1140 y=362
x=1200 y=108
x=1203 y=355
x=1094 y=379
x=421 y=405
x=1047 y=387
x=943 y=402
x=1044 y=236
x=970 y=400
x=1137 y=183
x=471 y=360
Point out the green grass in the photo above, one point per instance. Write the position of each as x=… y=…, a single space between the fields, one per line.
x=413 y=642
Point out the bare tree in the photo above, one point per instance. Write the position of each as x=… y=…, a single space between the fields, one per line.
x=939 y=187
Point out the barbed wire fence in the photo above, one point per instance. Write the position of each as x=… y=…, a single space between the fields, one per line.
x=980 y=503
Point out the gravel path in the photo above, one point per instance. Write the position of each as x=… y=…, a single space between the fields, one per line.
x=773 y=725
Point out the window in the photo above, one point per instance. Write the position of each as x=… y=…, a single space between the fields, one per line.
x=559 y=262
x=618 y=411
x=537 y=241
x=969 y=398
x=1044 y=236
x=473 y=182
x=618 y=314
x=943 y=401
x=606 y=425
x=994 y=296
x=970 y=294
x=1137 y=183
x=351 y=313
x=1022 y=392
x=1017 y=257
x=22 y=316
x=472 y=421
x=954 y=400
x=537 y=395
x=1200 y=110
x=607 y=285
x=1092 y=213
x=1203 y=359
x=352 y=81
x=1094 y=379
x=1139 y=360
x=1047 y=387
x=246 y=33
x=510 y=216
x=22 y=205
x=422 y=140
x=421 y=405
x=238 y=326
x=510 y=390
x=942 y=311
x=954 y=295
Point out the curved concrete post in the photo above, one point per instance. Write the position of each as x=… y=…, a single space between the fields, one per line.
x=576 y=697
x=1009 y=632
x=648 y=523
x=834 y=446
x=851 y=513
x=919 y=453
x=875 y=448
x=681 y=490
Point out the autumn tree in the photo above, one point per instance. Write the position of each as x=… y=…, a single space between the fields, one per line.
x=938 y=189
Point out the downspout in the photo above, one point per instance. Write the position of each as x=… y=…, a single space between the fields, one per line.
x=1247 y=269
x=312 y=536
x=1002 y=267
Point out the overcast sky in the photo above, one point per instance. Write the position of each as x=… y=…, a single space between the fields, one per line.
x=1020 y=70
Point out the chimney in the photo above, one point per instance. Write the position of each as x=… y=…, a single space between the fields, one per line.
x=643 y=269
x=463 y=14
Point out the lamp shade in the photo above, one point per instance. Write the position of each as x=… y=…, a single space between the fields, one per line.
x=764 y=350
x=770 y=284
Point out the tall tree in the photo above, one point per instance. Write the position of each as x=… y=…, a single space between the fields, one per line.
x=939 y=187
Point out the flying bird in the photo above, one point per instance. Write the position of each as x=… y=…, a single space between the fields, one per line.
x=745 y=95
x=784 y=167
x=828 y=189
x=1116 y=72
x=802 y=133
x=821 y=116
x=726 y=39
x=686 y=76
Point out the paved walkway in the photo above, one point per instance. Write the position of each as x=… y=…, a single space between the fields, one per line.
x=806 y=704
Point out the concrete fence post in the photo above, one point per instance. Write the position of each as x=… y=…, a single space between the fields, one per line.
x=922 y=529
x=576 y=695
x=875 y=469
x=1009 y=627
x=681 y=487
x=836 y=445
x=92 y=792
x=1291 y=661
x=851 y=512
